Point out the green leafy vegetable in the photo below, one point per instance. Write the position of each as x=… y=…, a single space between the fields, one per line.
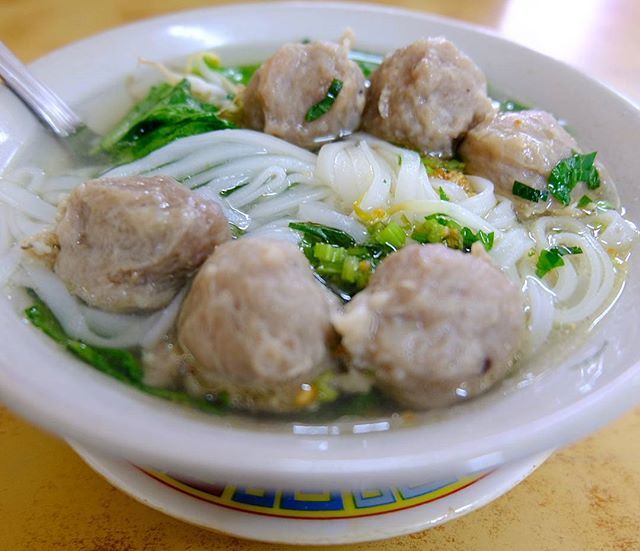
x=324 y=105
x=552 y=258
x=119 y=364
x=527 y=192
x=166 y=114
x=317 y=233
x=442 y=194
x=568 y=172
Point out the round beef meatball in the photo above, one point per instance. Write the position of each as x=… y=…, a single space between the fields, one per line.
x=293 y=80
x=522 y=146
x=426 y=96
x=257 y=324
x=129 y=244
x=436 y=325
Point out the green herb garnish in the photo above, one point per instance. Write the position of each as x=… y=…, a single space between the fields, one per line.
x=440 y=228
x=442 y=194
x=527 y=192
x=324 y=105
x=552 y=258
x=585 y=202
x=568 y=172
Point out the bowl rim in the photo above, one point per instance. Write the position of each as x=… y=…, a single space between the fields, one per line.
x=348 y=459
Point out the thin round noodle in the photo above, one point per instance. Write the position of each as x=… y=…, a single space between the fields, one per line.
x=276 y=182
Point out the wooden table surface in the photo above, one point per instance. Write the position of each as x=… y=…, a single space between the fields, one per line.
x=585 y=497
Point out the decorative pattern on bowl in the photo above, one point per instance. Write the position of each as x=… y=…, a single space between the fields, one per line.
x=315 y=504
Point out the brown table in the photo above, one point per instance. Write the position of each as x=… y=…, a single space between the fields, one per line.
x=584 y=497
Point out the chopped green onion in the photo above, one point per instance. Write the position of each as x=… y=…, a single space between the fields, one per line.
x=324 y=105
x=329 y=253
x=585 y=201
x=564 y=250
x=552 y=258
x=350 y=269
x=430 y=231
x=443 y=195
x=392 y=235
x=527 y=192
x=568 y=172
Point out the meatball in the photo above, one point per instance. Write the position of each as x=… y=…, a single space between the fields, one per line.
x=522 y=146
x=257 y=324
x=294 y=79
x=435 y=324
x=426 y=96
x=129 y=244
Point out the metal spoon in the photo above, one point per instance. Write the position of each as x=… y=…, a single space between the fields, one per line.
x=52 y=111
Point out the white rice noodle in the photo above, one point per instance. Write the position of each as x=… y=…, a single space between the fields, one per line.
x=454 y=192
x=320 y=213
x=372 y=172
x=26 y=202
x=458 y=213
x=163 y=321
x=507 y=251
x=284 y=203
x=540 y=314
x=278 y=229
x=582 y=286
x=502 y=216
x=211 y=141
x=92 y=326
x=616 y=233
x=264 y=166
x=484 y=200
x=9 y=264
x=6 y=237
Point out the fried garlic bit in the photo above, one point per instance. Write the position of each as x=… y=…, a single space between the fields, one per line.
x=43 y=246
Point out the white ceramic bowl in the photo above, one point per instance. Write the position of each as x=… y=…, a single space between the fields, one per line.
x=565 y=403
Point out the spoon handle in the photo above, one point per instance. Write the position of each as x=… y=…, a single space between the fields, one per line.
x=43 y=102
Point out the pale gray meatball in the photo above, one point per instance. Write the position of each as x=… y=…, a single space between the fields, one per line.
x=436 y=325
x=257 y=324
x=426 y=96
x=522 y=146
x=294 y=79
x=129 y=244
